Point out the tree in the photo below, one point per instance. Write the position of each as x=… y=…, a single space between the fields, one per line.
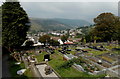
x=44 y=39
x=15 y=24
x=64 y=38
x=105 y=26
x=116 y=35
x=83 y=40
x=29 y=43
x=96 y=38
x=54 y=42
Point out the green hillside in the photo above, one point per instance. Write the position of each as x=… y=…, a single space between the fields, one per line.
x=47 y=24
x=35 y=27
x=73 y=22
x=40 y=24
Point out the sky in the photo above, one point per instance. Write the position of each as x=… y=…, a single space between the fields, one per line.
x=69 y=10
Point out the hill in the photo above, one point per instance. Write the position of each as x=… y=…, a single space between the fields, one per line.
x=40 y=24
x=73 y=22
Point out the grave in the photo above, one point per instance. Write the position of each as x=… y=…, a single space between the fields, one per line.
x=69 y=57
x=40 y=51
x=47 y=56
x=48 y=70
x=42 y=71
x=52 y=52
x=77 y=54
x=68 y=49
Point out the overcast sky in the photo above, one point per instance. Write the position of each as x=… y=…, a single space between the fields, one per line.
x=69 y=10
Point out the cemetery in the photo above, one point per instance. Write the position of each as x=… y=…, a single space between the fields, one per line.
x=55 y=40
x=63 y=60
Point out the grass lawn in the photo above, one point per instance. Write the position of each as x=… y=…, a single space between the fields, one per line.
x=14 y=68
x=73 y=48
x=71 y=72
x=112 y=46
x=116 y=52
x=72 y=52
x=57 y=60
x=40 y=57
x=107 y=59
x=97 y=52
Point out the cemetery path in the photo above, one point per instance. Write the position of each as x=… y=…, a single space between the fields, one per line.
x=5 y=67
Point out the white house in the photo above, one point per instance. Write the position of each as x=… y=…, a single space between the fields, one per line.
x=60 y=41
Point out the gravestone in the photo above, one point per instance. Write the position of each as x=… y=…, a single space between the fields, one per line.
x=40 y=51
x=68 y=49
x=47 y=56
x=52 y=52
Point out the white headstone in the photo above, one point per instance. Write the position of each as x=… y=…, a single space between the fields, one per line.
x=17 y=63
x=46 y=60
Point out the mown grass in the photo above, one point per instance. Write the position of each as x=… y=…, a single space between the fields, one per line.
x=72 y=52
x=116 y=52
x=107 y=59
x=70 y=72
x=110 y=46
x=40 y=57
x=95 y=52
x=57 y=60
x=73 y=48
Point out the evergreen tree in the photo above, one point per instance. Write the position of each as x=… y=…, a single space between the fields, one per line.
x=29 y=43
x=105 y=26
x=15 y=24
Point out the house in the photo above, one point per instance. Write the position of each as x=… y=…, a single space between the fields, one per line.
x=58 y=39
x=38 y=44
x=68 y=42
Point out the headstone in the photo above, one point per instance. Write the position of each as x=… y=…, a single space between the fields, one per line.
x=46 y=60
x=17 y=63
x=47 y=56
x=99 y=61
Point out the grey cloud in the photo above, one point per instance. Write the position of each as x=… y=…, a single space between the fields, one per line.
x=70 y=10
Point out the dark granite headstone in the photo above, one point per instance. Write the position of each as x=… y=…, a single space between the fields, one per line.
x=52 y=52
x=39 y=51
x=47 y=56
